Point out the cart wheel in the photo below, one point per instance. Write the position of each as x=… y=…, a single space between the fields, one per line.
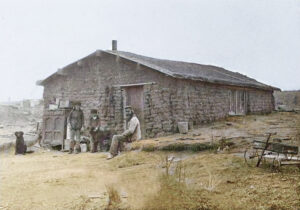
x=264 y=160
x=273 y=163
x=256 y=153
x=276 y=164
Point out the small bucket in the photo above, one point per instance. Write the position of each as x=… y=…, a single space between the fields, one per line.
x=83 y=147
x=183 y=127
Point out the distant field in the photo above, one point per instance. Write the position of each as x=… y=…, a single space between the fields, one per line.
x=13 y=118
x=290 y=99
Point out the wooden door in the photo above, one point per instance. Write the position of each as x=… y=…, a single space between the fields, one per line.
x=134 y=97
x=242 y=105
x=238 y=102
x=232 y=96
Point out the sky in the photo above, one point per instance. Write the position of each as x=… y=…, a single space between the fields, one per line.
x=258 y=38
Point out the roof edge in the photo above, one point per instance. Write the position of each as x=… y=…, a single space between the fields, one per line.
x=195 y=78
x=164 y=71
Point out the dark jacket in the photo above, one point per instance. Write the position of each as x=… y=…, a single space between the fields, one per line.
x=94 y=121
x=76 y=119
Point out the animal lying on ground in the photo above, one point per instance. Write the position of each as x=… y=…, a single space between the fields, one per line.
x=20 y=147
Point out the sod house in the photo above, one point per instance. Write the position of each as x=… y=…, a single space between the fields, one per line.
x=162 y=93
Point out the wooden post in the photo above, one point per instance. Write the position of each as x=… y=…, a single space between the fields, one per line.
x=124 y=105
x=236 y=102
x=262 y=153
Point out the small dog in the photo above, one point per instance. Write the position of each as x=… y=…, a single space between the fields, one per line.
x=20 y=147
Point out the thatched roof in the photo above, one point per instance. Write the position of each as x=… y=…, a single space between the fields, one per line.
x=185 y=70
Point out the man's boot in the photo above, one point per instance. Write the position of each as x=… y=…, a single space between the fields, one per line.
x=77 y=148
x=110 y=156
x=72 y=144
x=95 y=146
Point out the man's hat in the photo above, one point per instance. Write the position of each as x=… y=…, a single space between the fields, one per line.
x=129 y=109
x=74 y=103
x=94 y=111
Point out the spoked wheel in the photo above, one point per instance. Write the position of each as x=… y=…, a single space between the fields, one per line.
x=250 y=154
x=276 y=164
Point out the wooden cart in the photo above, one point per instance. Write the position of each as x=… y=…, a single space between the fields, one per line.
x=280 y=154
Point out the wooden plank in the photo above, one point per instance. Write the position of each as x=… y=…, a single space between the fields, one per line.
x=276 y=147
x=290 y=163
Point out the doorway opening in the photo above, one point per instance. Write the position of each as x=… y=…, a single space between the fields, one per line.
x=238 y=102
x=133 y=96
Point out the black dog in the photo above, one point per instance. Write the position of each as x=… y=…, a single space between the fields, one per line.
x=20 y=144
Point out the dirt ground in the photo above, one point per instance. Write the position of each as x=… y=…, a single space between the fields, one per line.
x=56 y=180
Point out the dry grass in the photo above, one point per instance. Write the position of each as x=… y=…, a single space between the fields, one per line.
x=177 y=195
x=181 y=146
x=212 y=181
x=174 y=193
x=194 y=181
x=53 y=180
x=114 y=199
x=132 y=159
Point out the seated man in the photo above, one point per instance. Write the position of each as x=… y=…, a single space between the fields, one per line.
x=133 y=133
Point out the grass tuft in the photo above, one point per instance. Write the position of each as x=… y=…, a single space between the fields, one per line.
x=178 y=147
x=114 y=199
x=175 y=194
x=149 y=148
